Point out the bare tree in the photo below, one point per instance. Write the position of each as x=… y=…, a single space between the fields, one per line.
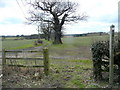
x=46 y=29
x=57 y=12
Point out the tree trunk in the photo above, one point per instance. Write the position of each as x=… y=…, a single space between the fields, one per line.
x=58 y=33
x=57 y=38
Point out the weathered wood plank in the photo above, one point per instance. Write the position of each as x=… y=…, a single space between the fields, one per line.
x=26 y=58
x=25 y=65
x=20 y=51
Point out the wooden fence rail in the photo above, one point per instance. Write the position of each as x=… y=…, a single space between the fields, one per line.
x=45 y=59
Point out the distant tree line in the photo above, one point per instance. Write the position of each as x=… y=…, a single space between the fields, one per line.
x=21 y=37
x=34 y=36
x=51 y=36
x=87 y=34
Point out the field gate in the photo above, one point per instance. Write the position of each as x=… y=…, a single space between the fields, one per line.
x=15 y=58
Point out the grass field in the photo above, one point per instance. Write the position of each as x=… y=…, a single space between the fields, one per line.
x=17 y=44
x=11 y=44
x=75 y=47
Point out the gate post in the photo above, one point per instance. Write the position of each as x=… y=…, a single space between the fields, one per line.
x=3 y=56
x=111 y=53
x=46 y=61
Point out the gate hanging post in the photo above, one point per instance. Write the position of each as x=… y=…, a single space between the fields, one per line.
x=46 y=61
x=111 y=53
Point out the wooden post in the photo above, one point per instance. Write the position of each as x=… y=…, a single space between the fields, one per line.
x=111 y=53
x=46 y=61
x=3 y=56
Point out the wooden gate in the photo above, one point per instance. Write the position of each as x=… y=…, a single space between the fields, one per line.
x=26 y=58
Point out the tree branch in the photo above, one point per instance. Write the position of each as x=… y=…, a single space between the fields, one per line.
x=63 y=19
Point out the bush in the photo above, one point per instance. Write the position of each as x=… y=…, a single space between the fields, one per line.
x=100 y=57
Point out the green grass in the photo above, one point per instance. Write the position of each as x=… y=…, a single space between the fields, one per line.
x=21 y=44
x=80 y=41
x=75 y=46
x=69 y=43
x=72 y=74
x=17 y=44
x=81 y=61
x=78 y=83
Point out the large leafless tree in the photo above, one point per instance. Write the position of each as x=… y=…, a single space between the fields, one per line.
x=56 y=12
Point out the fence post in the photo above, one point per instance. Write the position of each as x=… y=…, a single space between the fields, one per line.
x=111 y=53
x=46 y=61
x=3 y=56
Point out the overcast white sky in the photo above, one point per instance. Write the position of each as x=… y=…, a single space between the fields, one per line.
x=102 y=14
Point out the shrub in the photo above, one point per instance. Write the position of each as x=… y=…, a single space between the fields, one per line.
x=100 y=57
